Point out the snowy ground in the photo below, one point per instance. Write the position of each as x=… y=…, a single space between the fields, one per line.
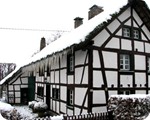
x=26 y=113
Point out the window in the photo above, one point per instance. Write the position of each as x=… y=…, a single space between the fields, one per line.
x=124 y=62
x=126 y=32
x=131 y=32
x=148 y=63
x=70 y=63
x=48 y=70
x=41 y=71
x=55 y=93
x=40 y=91
x=136 y=34
x=70 y=94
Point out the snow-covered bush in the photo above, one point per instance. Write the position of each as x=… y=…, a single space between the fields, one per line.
x=132 y=107
x=31 y=104
x=38 y=107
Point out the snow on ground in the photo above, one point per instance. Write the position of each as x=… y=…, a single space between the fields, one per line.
x=25 y=112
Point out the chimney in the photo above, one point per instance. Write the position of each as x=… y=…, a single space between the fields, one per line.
x=94 y=10
x=77 y=22
x=43 y=43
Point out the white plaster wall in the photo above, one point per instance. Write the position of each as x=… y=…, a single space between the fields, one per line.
x=57 y=107
x=126 y=79
x=126 y=44
x=128 y=23
x=24 y=80
x=69 y=112
x=148 y=80
x=63 y=76
x=17 y=94
x=113 y=43
x=17 y=81
x=17 y=100
x=147 y=47
x=101 y=38
x=144 y=28
x=137 y=18
x=77 y=111
x=63 y=107
x=24 y=86
x=143 y=37
x=84 y=111
x=139 y=46
x=125 y=15
x=112 y=93
x=63 y=61
x=63 y=93
x=96 y=59
x=99 y=96
x=119 y=33
x=79 y=95
x=140 y=62
x=78 y=75
x=56 y=76
x=17 y=87
x=110 y=59
x=112 y=78
x=140 y=78
x=135 y=25
x=80 y=57
x=140 y=92
x=10 y=87
x=99 y=109
x=97 y=79
x=52 y=76
x=70 y=79
x=113 y=26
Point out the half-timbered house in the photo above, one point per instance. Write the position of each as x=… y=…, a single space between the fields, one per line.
x=99 y=58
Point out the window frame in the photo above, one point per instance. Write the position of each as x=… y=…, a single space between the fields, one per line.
x=70 y=96
x=131 y=32
x=56 y=93
x=123 y=61
x=148 y=64
x=70 y=63
x=124 y=32
x=40 y=91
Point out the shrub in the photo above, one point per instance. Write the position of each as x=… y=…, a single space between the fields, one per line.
x=129 y=107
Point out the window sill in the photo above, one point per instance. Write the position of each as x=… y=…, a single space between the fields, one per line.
x=70 y=107
x=126 y=71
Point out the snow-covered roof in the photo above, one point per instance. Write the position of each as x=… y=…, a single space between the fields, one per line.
x=76 y=36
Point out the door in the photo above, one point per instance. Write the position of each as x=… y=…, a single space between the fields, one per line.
x=24 y=96
x=48 y=95
x=31 y=88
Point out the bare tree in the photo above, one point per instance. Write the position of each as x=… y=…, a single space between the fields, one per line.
x=5 y=69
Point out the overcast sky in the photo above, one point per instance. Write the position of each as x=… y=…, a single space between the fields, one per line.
x=18 y=45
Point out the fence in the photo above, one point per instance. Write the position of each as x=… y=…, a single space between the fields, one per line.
x=91 y=116
x=95 y=116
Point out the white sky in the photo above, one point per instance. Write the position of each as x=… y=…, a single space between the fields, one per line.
x=18 y=45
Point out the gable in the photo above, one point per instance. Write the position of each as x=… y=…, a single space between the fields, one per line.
x=112 y=35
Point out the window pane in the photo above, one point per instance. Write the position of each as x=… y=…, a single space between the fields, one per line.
x=124 y=62
x=126 y=32
x=136 y=34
